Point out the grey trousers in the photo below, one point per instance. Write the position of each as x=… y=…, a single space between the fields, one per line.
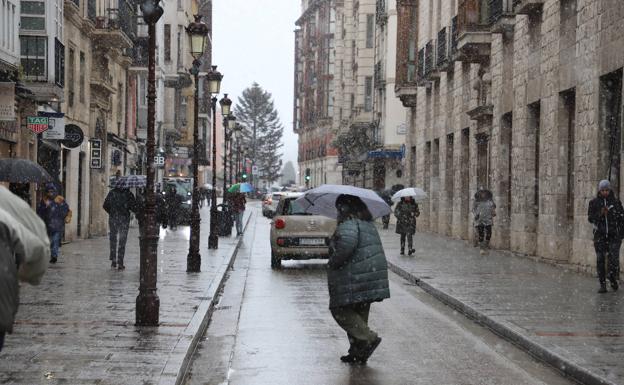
x=354 y=320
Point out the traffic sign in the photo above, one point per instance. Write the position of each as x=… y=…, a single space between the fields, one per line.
x=37 y=124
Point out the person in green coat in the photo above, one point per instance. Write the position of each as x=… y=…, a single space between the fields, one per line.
x=406 y=212
x=357 y=276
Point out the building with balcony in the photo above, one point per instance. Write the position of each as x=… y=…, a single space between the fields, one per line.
x=315 y=86
x=386 y=159
x=520 y=97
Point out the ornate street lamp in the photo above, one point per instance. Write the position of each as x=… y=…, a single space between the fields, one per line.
x=147 y=302
x=214 y=78
x=229 y=126
x=198 y=32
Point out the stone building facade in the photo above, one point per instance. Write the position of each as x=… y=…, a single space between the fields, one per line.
x=521 y=97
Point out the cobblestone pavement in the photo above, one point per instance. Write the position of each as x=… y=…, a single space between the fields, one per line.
x=551 y=311
x=77 y=327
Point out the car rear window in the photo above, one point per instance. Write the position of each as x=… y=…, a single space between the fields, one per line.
x=276 y=197
x=293 y=208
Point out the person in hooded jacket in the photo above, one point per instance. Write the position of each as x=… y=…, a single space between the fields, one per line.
x=54 y=212
x=406 y=212
x=484 y=211
x=118 y=204
x=24 y=250
x=606 y=214
x=357 y=276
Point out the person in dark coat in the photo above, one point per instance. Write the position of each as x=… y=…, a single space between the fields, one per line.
x=54 y=212
x=357 y=276
x=406 y=212
x=238 y=202
x=484 y=211
x=118 y=204
x=606 y=214
x=24 y=251
x=173 y=202
x=387 y=197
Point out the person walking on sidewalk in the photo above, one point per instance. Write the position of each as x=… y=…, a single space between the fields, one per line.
x=357 y=276
x=173 y=201
x=484 y=211
x=24 y=250
x=238 y=210
x=118 y=204
x=54 y=212
x=606 y=214
x=406 y=212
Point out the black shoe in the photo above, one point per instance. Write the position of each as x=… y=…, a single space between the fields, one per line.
x=113 y=264
x=368 y=350
x=121 y=267
x=603 y=288
x=614 y=285
x=402 y=252
x=53 y=260
x=349 y=359
x=411 y=251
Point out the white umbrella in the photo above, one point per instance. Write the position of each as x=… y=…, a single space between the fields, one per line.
x=207 y=186
x=416 y=193
x=322 y=200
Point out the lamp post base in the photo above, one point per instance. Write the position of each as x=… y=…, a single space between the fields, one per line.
x=193 y=262
x=147 y=306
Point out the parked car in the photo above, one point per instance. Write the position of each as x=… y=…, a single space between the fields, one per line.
x=269 y=203
x=298 y=235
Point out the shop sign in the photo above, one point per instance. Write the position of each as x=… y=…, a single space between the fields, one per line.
x=56 y=126
x=73 y=136
x=37 y=124
x=96 y=153
x=8 y=131
x=7 y=101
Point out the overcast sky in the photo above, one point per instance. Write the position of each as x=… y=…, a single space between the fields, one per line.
x=253 y=41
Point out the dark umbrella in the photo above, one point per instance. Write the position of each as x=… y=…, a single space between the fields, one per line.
x=18 y=170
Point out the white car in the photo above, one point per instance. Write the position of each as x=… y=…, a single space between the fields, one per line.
x=298 y=235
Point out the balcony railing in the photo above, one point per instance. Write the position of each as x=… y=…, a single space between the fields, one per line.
x=454 y=34
x=429 y=57
x=442 y=51
x=421 y=63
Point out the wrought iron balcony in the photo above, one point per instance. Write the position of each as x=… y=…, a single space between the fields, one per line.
x=442 y=53
x=421 y=64
x=429 y=58
x=527 y=6
x=474 y=37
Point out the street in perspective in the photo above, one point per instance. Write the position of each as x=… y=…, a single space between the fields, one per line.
x=311 y=192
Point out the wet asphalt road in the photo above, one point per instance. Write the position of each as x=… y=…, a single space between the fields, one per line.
x=274 y=327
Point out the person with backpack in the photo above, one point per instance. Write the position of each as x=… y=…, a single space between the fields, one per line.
x=606 y=215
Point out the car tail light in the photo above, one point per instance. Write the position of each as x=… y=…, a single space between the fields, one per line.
x=280 y=224
x=281 y=241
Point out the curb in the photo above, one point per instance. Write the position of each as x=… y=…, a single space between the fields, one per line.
x=199 y=323
x=559 y=363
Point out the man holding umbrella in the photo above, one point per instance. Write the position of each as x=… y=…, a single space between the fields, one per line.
x=118 y=204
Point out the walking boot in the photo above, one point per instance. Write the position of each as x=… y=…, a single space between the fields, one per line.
x=603 y=288
x=482 y=249
x=368 y=350
x=411 y=252
x=402 y=251
x=614 y=285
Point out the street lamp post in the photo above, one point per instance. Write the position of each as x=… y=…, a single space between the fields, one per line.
x=214 y=84
x=147 y=302
x=198 y=31
x=228 y=126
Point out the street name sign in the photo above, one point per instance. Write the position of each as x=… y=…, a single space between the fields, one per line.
x=37 y=124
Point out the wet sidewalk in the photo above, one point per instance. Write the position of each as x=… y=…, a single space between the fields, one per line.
x=556 y=315
x=77 y=327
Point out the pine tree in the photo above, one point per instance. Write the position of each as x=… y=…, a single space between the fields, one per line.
x=256 y=112
x=289 y=175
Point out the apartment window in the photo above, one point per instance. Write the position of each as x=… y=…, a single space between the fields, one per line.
x=142 y=91
x=83 y=70
x=370 y=30
x=506 y=142
x=534 y=130
x=567 y=117
x=427 y=175
x=32 y=16
x=59 y=63
x=168 y=42
x=180 y=46
x=33 y=55
x=368 y=94
x=449 y=176
x=611 y=126
x=71 y=88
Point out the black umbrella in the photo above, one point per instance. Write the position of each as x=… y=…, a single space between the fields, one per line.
x=19 y=170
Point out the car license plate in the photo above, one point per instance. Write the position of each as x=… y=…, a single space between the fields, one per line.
x=311 y=242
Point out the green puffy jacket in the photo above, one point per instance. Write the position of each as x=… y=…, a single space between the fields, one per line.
x=357 y=267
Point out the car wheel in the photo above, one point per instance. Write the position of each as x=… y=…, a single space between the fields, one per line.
x=276 y=263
